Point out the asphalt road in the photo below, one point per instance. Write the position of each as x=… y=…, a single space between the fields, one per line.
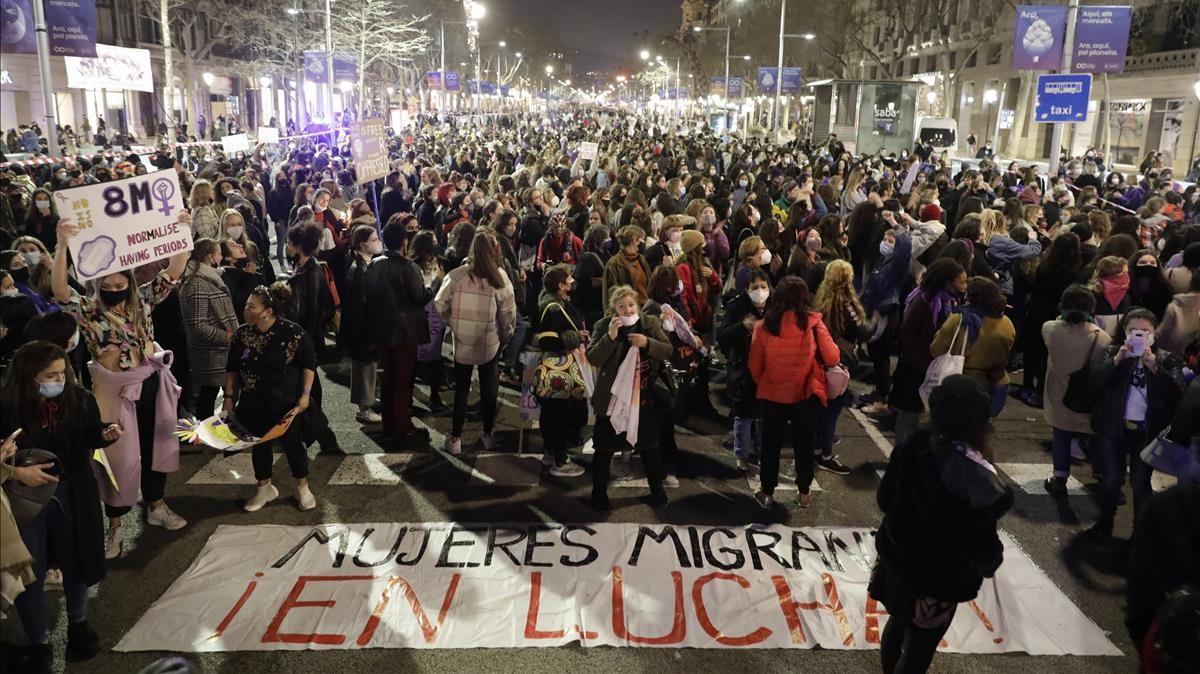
x=712 y=492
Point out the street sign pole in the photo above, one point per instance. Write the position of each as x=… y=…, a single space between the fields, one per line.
x=1068 y=49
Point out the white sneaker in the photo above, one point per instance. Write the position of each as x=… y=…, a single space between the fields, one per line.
x=670 y=481
x=305 y=498
x=488 y=442
x=368 y=417
x=264 y=495
x=166 y=518
x=452 y=446
x=52 y=582
x=568 y=469
x=114 y=542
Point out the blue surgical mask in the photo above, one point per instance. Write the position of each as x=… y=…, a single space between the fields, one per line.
x=886 y=248
x=51 y=389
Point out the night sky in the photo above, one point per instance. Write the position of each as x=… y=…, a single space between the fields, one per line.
x=602 y=31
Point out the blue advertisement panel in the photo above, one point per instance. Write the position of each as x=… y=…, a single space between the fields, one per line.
x=345 y=67
x=16 y=31
x=71 y=27
x=452 y=81
x=790 y=84
x=1062 y=98
x=1101 y=39
x=1038 y=37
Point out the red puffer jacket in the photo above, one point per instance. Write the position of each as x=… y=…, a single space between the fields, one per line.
x=785 y=366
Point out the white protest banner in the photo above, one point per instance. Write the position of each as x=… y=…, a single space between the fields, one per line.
x=588 y=150
x=111 y=68
x=125 y=223
x=368 y=144
x=238 y=142
x=268 y=134
x=453 y=585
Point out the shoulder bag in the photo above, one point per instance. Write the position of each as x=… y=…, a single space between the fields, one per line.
x=1081 y=394
x=944 y=366
x=837 y=378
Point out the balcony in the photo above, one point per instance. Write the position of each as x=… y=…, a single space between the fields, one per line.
x=1183 y=60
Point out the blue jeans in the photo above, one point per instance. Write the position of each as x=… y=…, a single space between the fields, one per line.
x=827 y=425
x=512 y=350
x=1115 y=451
x=51 y=535
x=1060 y=450
x=747 y=437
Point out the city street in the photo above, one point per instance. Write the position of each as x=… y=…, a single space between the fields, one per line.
x=505 y=487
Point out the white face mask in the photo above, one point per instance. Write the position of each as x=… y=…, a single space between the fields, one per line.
x=743 y=183
x=708 y=219
x=759 y=296
x=375 y=247
x=73 y=341
x=627 y=321
x=42 y=203
x=235 y=232
x=764 y=258
x=32 y=258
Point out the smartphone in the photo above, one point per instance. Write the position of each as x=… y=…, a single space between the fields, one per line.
x=1137 y=343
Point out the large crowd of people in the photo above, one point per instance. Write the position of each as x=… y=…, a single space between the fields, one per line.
x=676 y=273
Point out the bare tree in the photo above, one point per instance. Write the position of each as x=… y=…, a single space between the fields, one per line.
x=384 y=36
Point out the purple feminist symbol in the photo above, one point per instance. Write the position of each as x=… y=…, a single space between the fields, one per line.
x=163 y=190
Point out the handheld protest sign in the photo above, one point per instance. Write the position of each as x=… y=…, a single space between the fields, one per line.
x=125 y=223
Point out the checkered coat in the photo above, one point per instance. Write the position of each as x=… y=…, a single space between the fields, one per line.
x=207 y=309
x=481 y=318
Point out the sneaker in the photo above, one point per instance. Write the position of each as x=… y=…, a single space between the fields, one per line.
x=166 y=518
x=805 y=499
x=876 y=408
x=82 y=642
x=488 y=442
x=1056 y=486
x=368 y=417
x=765 y=500
x=670 y=480
x=833 y=465
x=114 y=542
x=262 y=496
x=37 y=659
x=53 y=581
x=452 y=446
x=568 y=469
x=304 y=498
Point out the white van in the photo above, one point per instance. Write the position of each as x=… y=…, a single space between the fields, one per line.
x=940 y=132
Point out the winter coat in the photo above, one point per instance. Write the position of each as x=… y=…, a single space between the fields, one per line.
x=940 y=508
x=204 y=223
x=397 y=296
x=606 y=356
x=480 y=316
x=209 y=321
x=313 y=300
x=794 y=373
x=353 y=332
x=1180 y=324
x=1067 y=347
x=734 y=340
x=987 y=356
x=1164 y=388
x=74 y=446
x=700 y=308
x=1003 y=253
x=881 y=292
x=559 y=323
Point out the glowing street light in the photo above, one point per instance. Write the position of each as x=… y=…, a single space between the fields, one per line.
x=209 y=78
x=930 y=97
x=549 y=70
x=345 y=86
x=502 y=43
x=292 y=11
x=265 y=81
x=808 y=36
x=645 y=55
x=476 y=11
x=990 y=96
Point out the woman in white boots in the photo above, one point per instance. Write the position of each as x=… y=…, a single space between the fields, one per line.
x=269 y=373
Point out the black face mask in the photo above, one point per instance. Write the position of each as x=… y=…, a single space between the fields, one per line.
x=112 y=298
x=20 y=275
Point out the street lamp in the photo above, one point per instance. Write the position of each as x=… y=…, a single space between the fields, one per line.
x=645 y=55
x=700 y=29
x=208 y=79
x=549 y=69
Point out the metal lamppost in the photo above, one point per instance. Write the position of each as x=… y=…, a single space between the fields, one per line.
x=476 y=12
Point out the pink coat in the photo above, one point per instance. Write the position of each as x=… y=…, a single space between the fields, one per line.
x=117 y=394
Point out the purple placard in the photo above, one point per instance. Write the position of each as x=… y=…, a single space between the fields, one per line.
x=1038 y=38
x=452 y=81
x=71 y=25
x=16 y=32
x=1101 y=39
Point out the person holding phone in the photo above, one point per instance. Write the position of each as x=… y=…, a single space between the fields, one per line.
x=42 y=405
x=1140 y=387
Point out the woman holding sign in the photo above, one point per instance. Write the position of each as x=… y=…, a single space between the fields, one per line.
x=132 y=382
